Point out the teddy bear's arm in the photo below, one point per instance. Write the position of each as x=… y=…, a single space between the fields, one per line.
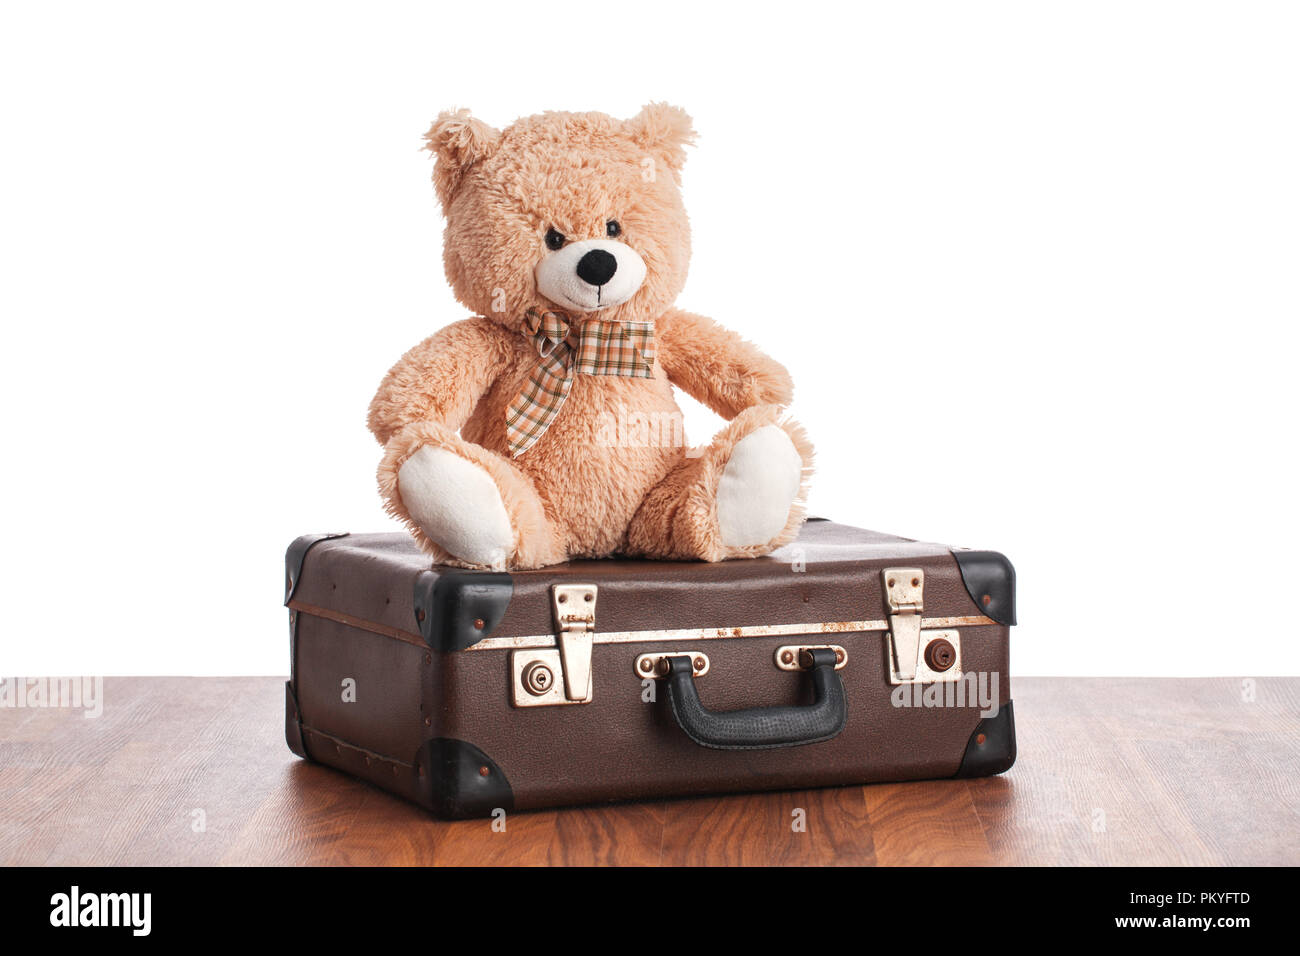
x=717 y=366
x=440 y=380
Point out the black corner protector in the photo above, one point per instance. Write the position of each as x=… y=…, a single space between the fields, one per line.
x=457 y=609
x=293 y=723
x=458 y=780
x=297 y=553
x=992 y=747
x=991 y=580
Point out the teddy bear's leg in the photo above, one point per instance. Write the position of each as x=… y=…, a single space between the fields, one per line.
x=742 y=496
x=465 y=505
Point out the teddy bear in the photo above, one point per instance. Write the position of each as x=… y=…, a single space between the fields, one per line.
x=544 y=428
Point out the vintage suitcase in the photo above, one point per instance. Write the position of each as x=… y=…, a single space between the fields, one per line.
x=846 y=657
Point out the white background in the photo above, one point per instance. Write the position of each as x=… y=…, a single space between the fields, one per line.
x=1033 y=267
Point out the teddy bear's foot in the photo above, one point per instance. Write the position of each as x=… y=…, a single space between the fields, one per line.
x=465 y=505
x=741 y=496
x=758 y=488
x=456 y=503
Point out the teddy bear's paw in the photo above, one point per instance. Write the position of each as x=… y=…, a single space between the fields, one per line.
x=758 y=487
x=457 y=504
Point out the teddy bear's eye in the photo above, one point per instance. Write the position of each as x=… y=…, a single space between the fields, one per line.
x=612 y=228
x=554 y=240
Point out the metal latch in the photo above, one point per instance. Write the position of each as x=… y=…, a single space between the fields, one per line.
x=917 y=656
x=575 y=622
x=904 y=594
x=545 y=677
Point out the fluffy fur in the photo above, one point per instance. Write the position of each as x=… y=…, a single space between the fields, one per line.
x=611 y=474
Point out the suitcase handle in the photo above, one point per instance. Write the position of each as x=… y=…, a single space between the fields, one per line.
x=759 y=728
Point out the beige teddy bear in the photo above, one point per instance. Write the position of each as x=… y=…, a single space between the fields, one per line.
x=544 y=428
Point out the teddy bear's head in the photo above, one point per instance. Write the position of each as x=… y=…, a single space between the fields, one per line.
x=576 y=211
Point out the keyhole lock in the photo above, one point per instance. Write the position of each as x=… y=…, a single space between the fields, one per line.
x=538 y=679
x=940 y=655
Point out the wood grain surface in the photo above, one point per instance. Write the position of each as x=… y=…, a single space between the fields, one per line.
x=1110 y=771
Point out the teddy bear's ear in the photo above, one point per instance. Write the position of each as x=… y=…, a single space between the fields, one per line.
x=457 y=141
x=664 y=131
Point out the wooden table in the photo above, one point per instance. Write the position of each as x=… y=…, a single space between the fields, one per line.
x=195 y=771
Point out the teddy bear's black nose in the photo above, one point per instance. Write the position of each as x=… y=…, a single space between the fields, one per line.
x=597 y=267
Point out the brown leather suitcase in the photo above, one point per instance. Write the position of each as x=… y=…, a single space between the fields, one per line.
x=846 y=657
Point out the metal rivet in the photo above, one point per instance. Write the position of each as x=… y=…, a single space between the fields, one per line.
x=428 y=721
x=478 y=624
x=647 y=665
x=484 y=771
x=916 y=582
x=980 y=738
x=419 y=614
x=699 y=663
x=839 y=656
x=563 y=598
x=987 y=599
x=588 y=597
x=787 y=657
x=891 y=582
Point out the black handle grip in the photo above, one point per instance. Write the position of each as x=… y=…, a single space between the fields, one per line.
x=760 y=728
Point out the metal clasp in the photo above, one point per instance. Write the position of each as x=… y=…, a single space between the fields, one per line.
x=904 y=595
x=547 y=677
x=917 y=656
x=575 y=623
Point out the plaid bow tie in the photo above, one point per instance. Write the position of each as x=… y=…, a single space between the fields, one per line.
x=592 y=348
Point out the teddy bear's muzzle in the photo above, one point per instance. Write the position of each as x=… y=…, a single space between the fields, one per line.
x=591 y=274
